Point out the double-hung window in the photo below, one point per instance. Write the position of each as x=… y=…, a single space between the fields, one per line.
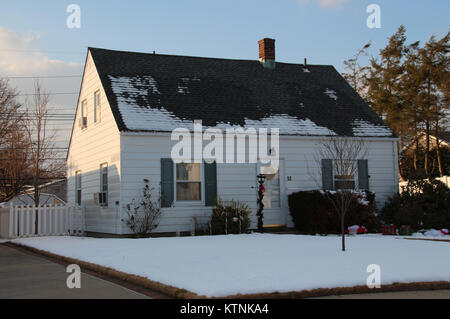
x=83 y=120
x=188 y=182
x=344 y=174
x=78 y=187
x=103 y=196
x=97 y=107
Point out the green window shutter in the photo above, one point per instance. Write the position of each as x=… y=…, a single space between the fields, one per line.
x=210 y=183
x=166 y=182
x=327 y=174
x=363 y=174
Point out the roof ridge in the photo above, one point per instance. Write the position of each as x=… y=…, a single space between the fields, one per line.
x=203 y=57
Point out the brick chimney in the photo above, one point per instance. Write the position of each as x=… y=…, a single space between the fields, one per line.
x=267 y=52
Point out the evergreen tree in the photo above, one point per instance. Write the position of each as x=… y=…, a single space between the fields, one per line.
x=384 y=87
x=411 y=80
x=435 y=72
x=409 y=87
x=355 y=72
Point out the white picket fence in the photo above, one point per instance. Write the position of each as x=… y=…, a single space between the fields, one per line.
x=53 y=220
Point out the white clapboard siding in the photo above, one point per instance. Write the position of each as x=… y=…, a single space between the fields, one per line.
x=89 y=147
x=140 y=158
x=53 y=220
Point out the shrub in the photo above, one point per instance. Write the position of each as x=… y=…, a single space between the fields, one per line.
x=230 y=217
x=422 y=204
x=143 y=215
x=313 y=212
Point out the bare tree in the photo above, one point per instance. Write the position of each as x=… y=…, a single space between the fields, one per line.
x=14 y=165
x=14 y=147
x=341 y=154
x=41 y=140
x=10 y=111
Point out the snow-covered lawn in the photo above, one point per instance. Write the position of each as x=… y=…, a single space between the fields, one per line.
x=257 y=263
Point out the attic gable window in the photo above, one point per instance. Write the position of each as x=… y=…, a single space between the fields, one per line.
x=97 y=107
x=83 y=119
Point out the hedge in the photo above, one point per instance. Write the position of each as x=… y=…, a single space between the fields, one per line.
x=313 y=212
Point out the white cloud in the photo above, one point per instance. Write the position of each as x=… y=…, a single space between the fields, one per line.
x=324 y=3
x=331 y=3
x=20 y=57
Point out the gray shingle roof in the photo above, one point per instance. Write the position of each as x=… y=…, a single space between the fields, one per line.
x=154 y=92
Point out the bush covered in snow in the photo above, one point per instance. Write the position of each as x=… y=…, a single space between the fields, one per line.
x=229 y=217
x=312 y=212
x=422 y=204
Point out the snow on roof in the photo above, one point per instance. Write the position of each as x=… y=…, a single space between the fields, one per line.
x=364 y=128
x=28 y=200
x=331 y=94
x=159 y=119
x=31 y=188
x=127 y=90
x=154 y=92
x=290 y=125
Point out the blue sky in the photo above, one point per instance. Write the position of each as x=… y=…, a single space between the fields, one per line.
x=35 y=41
x=325 y=34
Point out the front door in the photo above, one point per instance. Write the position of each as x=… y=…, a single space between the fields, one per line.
x=274 y=212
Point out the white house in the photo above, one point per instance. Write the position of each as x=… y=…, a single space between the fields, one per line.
x=130 y=103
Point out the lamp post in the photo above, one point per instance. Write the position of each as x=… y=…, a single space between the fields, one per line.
x=261 y=179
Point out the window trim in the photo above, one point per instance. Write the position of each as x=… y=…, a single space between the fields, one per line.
x=78 y=187
x=200 y=202
x=102 y=167
x=99 y=107
x=355 y=176
x=84 y=108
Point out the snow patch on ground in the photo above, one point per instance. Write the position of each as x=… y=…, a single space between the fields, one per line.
x=256 y=263
x=364 y=128
x=433 y=233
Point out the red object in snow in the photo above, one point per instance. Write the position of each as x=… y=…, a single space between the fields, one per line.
x=362 y=230
x=359 y=230
x=388 y=229
x=445 y=231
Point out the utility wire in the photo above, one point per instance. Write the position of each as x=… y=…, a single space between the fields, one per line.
x=30 y=179
x=64 y=52
x=41 y=77
x=32 y=94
